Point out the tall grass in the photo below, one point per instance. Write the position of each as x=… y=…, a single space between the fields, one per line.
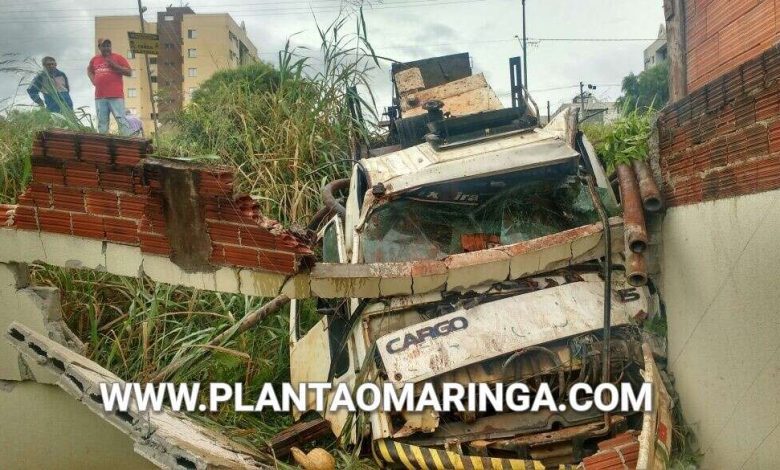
x=134 y=326
x=287 y=131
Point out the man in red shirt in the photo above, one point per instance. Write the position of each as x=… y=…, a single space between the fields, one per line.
x=105 y=71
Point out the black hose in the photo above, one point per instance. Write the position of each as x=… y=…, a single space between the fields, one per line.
x=329 y=199
x=318 y=217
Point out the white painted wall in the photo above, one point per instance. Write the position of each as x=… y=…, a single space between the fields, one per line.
x=720 y=267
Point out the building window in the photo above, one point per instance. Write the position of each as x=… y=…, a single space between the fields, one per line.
x=132 y=93
x=192 y=33
x=192 y=53
x=168 y=17
x=169 y=45
x=154 y=78
x=152 y=115
x=192 y=72
x=130 y=54
x=152 y=60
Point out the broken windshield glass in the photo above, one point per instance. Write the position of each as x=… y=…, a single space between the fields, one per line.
x=409 y=229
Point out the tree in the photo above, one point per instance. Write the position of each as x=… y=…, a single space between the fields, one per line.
x=649 y=88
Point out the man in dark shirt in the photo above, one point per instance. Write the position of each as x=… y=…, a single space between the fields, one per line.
x=54 y=86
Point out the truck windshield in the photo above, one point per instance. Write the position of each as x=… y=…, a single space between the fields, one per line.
x=413 y=228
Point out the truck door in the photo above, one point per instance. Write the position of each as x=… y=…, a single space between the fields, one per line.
x=321 y=352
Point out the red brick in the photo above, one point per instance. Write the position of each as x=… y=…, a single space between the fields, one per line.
x=68 y=199
x=154 y=243
x=217 y=255
x=774 y=137
x=744 y=111
x=277 y=261
x=758 y=175
x=257 y=237
x=87 y=225
x=82 y=175
x=102 y=203
x=116 y=178
x=47 y=174
x=25 y=218
x=131 y=206
x=217 y=182
x=224 y=233
x=52 y=220
x=768 y=104
x=39 y=194
x=240 y=256
x=121 y=230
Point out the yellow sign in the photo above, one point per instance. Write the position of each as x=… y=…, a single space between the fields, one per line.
x=144 y=43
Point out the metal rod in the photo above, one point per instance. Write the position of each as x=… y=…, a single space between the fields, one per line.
x=148 y=71
x=605 y=362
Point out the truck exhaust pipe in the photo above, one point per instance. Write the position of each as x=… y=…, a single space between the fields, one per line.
x=651 y=196
x=633 y=217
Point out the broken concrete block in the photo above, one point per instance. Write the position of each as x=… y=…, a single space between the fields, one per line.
x=124 y=260
x=227 y=280
x=73 y=252
x=40 y=308
x=20 y=246
x=394 y=278
x=409 y=80
x=479 y=267
x=161 y=269
x=260 y=283
x=343 y=280
x=167 y=439
x=428 y=276
x=297 y=287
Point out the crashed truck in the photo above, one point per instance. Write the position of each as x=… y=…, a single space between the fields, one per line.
x=464 y=188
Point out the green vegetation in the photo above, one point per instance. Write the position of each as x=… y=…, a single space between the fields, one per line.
x=287 y=131
x=623 y=140
x=649 y=89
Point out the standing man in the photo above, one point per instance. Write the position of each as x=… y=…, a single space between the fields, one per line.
x=54 y=86
x=105 y=71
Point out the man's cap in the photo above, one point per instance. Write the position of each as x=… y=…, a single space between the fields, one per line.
x=102 y=41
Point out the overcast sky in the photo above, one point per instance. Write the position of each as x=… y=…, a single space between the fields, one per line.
x=400 y=29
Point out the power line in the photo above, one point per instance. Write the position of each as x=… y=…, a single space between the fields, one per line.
x=273 y=12
x=275 y=6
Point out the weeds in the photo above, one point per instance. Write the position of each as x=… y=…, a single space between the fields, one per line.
x=624 y=140
x=286 y=131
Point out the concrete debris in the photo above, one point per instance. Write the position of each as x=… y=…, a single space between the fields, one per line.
x=167 y=439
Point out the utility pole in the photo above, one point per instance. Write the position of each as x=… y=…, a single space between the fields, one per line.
x=141 y=10
x=525 y=52
x=582 y=99
x=548 y=111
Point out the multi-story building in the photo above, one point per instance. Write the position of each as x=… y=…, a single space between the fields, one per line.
x=192 y=47
x=655 y=53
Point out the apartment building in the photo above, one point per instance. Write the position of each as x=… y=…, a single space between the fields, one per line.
x=192 y=47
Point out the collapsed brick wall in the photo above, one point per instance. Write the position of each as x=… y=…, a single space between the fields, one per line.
x=107 y=188
x=723 y=139
x=723 y=33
